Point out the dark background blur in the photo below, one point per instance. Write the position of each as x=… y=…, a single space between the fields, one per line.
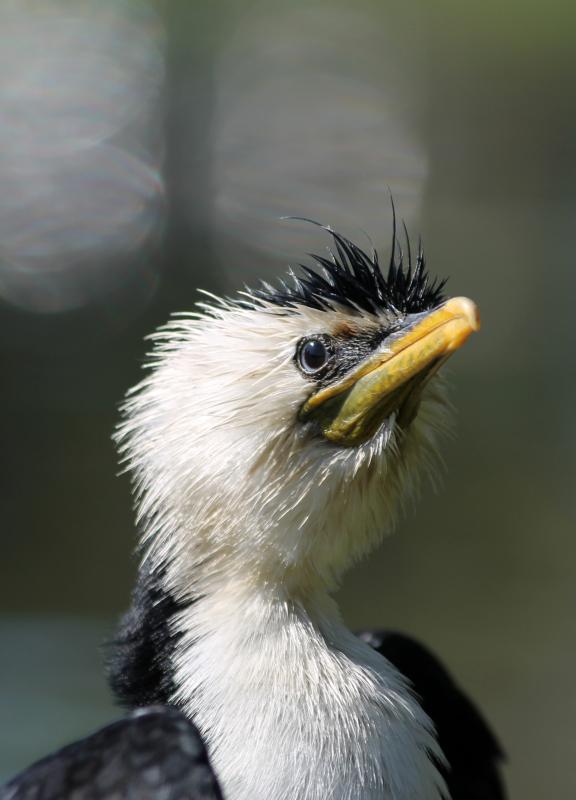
x=146 y=151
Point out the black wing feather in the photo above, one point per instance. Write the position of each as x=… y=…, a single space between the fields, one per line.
x=154 y=754
x=140 y=657
x=470 y=747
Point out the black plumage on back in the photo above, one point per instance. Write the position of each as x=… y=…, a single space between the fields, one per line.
x=471 y=749
x=153 y=754
x=139 y=658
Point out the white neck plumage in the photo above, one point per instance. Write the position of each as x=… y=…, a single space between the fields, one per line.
x=291 y=705
x=294 y=706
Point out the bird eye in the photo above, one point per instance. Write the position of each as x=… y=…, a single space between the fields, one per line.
x=312 y=355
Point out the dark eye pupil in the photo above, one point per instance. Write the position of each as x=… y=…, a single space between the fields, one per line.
x=313 y=355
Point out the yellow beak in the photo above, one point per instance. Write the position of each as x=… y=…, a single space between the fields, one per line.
x=351 y=410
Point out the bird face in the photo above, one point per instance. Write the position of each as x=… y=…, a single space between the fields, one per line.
x=381 y=371
x=275 y=434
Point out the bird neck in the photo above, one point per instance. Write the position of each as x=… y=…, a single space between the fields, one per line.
x=293 y=705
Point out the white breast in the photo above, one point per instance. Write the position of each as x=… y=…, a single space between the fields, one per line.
x=295 y=709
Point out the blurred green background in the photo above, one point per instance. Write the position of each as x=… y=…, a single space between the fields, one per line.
x=483 y=570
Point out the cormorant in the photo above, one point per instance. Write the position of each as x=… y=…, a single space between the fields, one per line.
x=271 y=443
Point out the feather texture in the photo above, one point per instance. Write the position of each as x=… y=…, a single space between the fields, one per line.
x=154 y=754
x=353 y=279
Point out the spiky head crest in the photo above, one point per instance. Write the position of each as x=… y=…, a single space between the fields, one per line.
x=351 y=278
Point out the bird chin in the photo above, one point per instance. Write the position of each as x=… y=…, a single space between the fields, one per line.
x=396 y=422
x=393 y=414
x=384 y=435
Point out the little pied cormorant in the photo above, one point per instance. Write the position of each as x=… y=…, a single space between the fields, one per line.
x=271 y=443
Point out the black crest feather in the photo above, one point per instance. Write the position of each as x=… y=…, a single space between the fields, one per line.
x=352 y=278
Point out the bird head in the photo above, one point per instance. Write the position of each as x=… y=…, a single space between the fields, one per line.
x=276 y=433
